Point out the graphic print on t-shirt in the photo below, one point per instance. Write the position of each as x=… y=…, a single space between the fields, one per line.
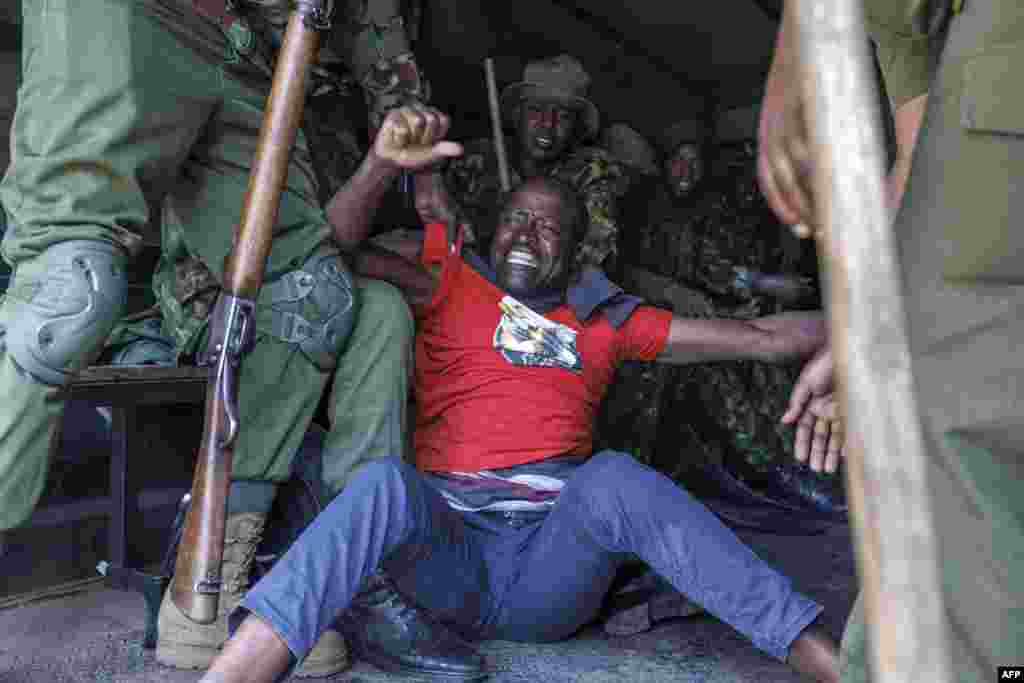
x=526 y=338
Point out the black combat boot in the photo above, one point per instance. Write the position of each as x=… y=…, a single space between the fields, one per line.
x=389 y=631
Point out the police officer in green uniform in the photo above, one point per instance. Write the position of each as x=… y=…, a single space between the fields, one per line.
x=554 y=122
x=134 y=110
x=960 y=251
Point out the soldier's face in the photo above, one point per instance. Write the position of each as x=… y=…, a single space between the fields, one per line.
x=546 y=129
x=684 y=169
x=531 y=242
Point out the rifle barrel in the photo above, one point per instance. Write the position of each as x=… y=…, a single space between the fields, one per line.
x=270 y=167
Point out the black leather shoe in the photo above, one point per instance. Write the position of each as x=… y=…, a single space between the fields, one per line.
x=385 y=629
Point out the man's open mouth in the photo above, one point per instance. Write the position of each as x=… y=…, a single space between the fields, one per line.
x=544 y=142
x=521 y=257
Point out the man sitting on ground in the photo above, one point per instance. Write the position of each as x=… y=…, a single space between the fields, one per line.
x=509 y=528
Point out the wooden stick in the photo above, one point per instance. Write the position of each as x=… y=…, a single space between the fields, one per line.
x=886 y=457
x=499 y=135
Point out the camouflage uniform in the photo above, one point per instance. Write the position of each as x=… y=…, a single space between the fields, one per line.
x=726 y=413
x=600 y=179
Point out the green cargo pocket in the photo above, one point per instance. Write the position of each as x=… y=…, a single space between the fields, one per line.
x=986 y=241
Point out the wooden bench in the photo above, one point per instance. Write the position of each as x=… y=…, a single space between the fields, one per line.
x=126 y=389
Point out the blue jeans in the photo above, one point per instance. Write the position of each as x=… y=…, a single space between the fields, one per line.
x=529 y=577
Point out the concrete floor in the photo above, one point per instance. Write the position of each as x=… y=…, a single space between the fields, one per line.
x=95 y=636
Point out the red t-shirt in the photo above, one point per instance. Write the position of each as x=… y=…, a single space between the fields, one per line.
x=498 y=385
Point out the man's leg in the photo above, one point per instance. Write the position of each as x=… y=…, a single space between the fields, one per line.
x=614 y=508
x=368 y=422
x=386 y=515
x=28 y=420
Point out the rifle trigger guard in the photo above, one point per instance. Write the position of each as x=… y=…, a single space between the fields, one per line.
x=232 y=335
x=227 y=398
x=316 y=14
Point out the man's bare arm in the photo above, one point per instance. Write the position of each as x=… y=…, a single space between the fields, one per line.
x=351 y=210
x=409 y=139
x=784 y=169
x=398 y=263
x=774 y=338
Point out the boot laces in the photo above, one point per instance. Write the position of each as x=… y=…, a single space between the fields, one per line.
x=248 y=537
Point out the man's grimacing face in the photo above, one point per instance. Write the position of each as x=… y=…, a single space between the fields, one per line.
x=532 y=241
x=546 y=129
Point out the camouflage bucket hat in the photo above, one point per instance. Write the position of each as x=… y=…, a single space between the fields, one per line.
x=631 y=148
x=561 y=79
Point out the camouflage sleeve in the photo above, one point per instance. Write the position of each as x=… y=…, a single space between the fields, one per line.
x=376 y=40
x=185 y=289
x=601 y=181
x=473 y=183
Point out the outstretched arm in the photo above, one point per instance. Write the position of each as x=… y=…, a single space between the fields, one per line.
x=774 y=338
x=411 y=138
x=814 y=409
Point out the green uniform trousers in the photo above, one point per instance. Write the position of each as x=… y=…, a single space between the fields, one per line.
x=966 y=329
x=279 y=391
x=132 y=107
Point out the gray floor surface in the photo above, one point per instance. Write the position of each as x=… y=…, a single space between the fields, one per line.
x=96 y=636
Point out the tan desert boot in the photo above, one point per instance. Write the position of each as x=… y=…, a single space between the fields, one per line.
x=328 y=657
x=185 y=644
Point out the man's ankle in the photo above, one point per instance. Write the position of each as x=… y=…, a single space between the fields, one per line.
x=255 y=654
x=815 y=654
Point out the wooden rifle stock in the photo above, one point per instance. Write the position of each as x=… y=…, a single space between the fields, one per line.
x=885 y=464
x=197 y=574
